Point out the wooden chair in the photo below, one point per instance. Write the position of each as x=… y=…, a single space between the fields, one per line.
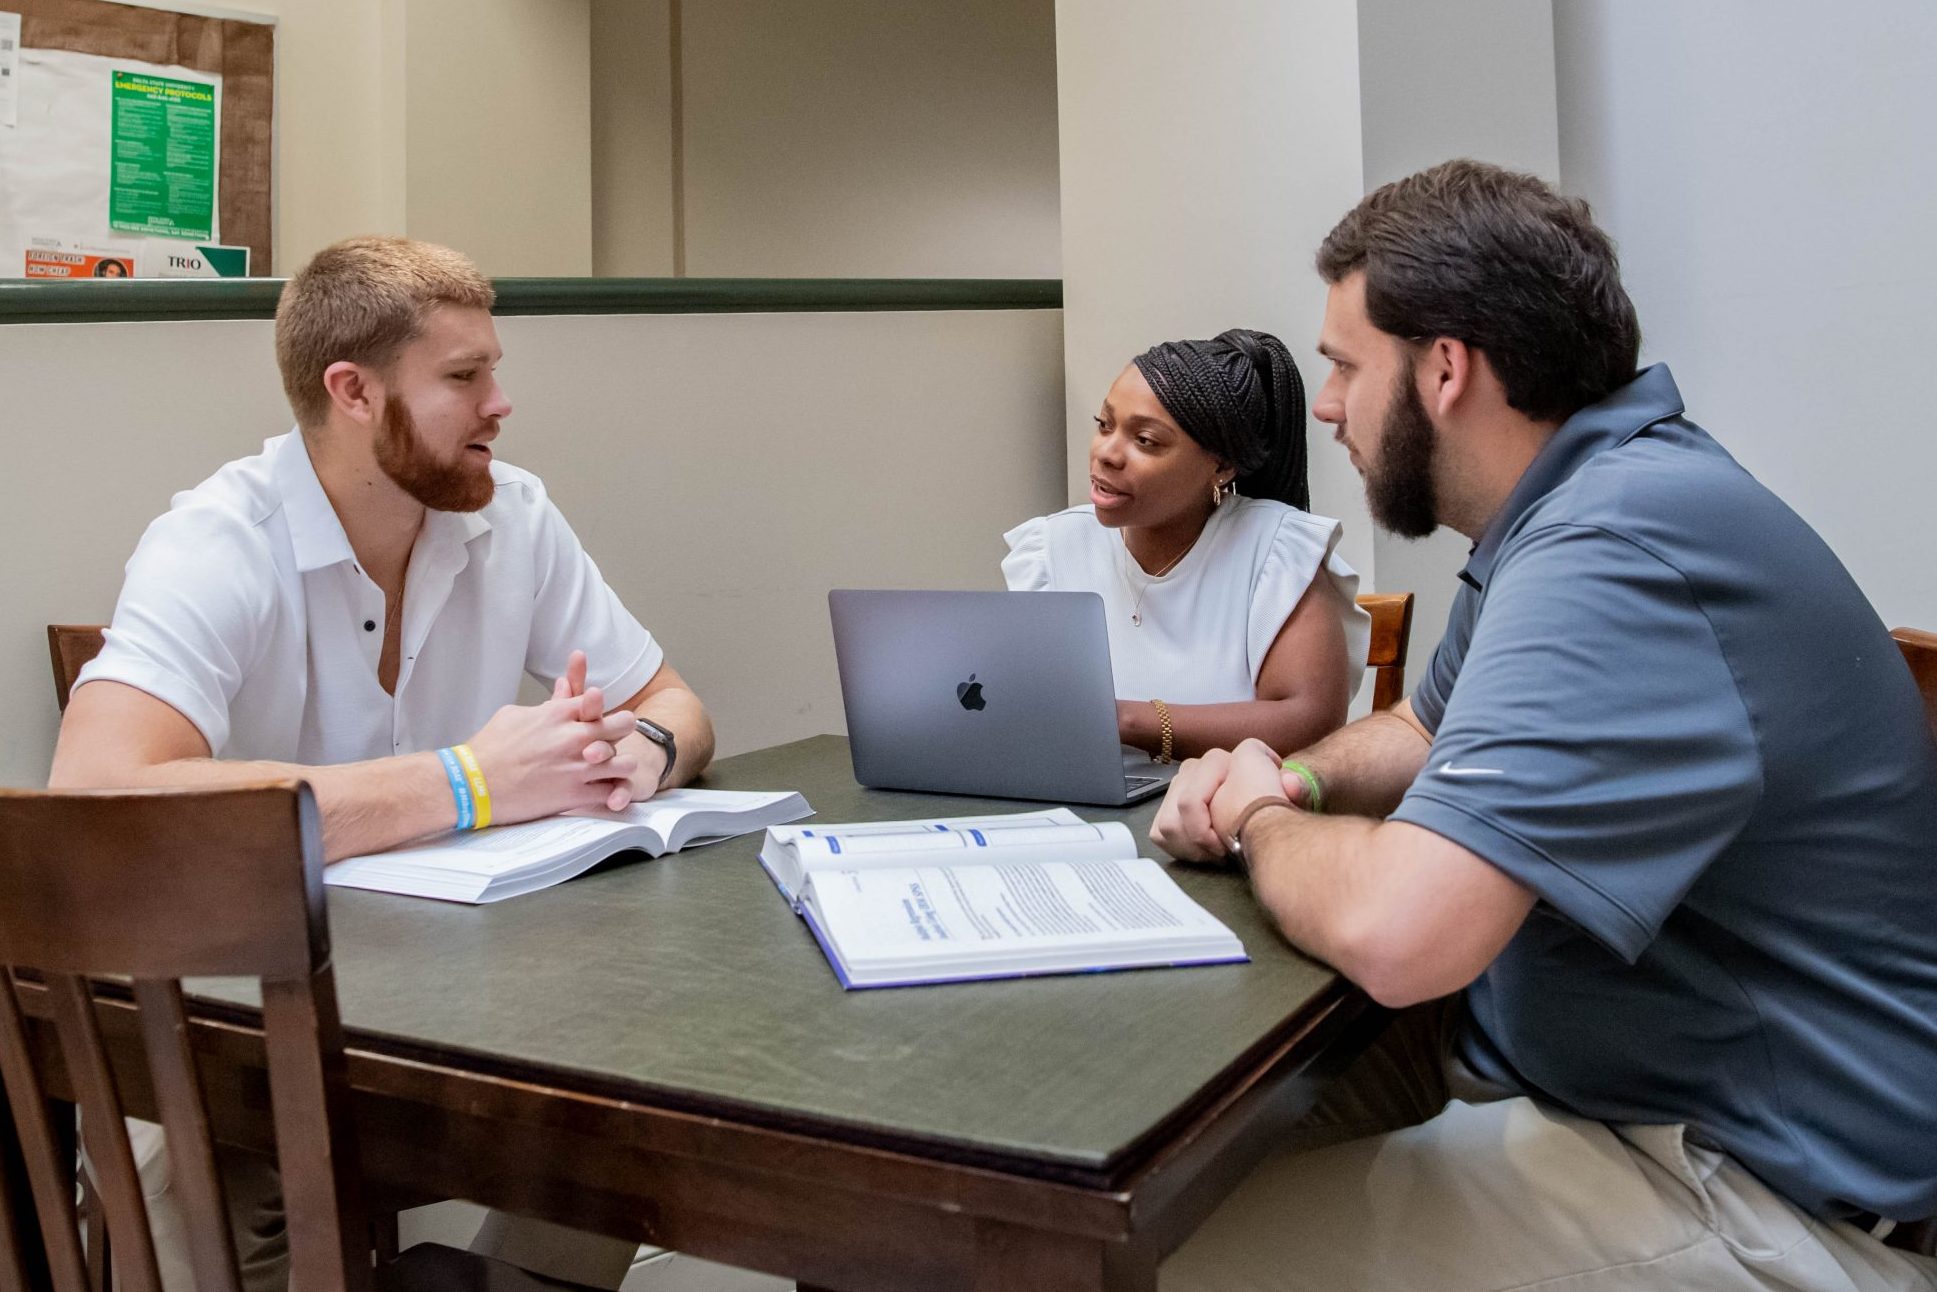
x=1391 y=630
x=71 y=646
x=231 y=885
x=1920 y=652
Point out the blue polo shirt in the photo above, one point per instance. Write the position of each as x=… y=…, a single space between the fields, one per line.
x=1664 y=706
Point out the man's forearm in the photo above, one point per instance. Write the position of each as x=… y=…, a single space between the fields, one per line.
x=1311 y=874
x=365 y=807
x=1402 y=912
x=1366 y=767
x=680 y=711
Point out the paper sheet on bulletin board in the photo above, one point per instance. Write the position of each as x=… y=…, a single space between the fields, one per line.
x=107 y=157
x=134 y=141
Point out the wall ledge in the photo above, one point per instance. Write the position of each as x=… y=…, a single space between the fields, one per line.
x=141 y=300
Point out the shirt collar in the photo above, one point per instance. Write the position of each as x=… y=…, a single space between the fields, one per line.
x=316 y=532
x=1651 y=397
x=456 y=527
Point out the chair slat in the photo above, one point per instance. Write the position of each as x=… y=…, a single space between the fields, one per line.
x=1386 y=652
x=71 y=646
x=184 y=1116
x=13 y=1255
x=47 y=1180
x=1920 y=653
x=309 y=1085
x=105 y=1133
x=100 y=1249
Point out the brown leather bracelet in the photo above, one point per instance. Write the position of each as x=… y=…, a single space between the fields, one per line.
x=1235 y=844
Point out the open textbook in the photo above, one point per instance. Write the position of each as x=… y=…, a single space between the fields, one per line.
x=504 y=861
x=894 y=903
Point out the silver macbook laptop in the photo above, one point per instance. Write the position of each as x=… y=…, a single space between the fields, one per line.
x=1001 y=694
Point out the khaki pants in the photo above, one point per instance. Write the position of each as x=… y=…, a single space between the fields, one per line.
x=1416 y=1175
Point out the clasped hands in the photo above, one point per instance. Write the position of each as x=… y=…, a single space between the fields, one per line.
x=565 y=754
x=1209 y=793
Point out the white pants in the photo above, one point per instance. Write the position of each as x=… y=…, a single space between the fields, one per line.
x=1492 y=1193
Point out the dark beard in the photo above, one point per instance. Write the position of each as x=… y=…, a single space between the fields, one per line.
x=1399 y=490
x=440 y=486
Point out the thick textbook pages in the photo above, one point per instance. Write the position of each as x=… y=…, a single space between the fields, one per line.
x=894 y=903
x=504 y=861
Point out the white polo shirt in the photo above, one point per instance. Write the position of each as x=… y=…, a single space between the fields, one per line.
x=245 y=609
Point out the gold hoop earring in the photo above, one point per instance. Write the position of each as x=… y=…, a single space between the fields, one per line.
x=1217 y=494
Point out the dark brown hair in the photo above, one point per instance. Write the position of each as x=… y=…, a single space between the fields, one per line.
x=1502 y=262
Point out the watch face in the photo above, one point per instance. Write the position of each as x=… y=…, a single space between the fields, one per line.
x=652 y=731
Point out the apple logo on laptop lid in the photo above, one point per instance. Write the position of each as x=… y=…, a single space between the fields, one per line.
x=970 y=694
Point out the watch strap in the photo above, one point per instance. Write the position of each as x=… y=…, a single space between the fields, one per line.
x=1236 y=841
x=663 y=737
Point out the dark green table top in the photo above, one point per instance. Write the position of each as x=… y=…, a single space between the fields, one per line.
x=688 y=981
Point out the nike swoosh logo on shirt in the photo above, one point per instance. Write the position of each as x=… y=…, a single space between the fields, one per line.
x=1447 y=769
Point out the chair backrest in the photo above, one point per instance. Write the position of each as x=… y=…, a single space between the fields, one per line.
x=1391 y=629
x=1920 y=652
x=71 y=646
x=155 y=886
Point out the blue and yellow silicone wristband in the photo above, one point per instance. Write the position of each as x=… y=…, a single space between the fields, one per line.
x=474 y=776
x=460 y=788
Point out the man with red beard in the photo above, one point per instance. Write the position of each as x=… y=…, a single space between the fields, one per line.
x=357 y=604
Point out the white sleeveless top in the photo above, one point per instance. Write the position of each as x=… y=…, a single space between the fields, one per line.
x=1208 y=623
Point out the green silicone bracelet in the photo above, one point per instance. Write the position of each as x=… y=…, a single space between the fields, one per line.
x=1315 y=796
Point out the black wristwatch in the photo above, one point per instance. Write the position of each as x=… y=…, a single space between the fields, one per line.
x=662 y=737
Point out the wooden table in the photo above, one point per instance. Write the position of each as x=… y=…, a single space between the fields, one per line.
x=659 y=1050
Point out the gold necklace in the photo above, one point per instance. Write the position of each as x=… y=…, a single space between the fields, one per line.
x=1136 y=606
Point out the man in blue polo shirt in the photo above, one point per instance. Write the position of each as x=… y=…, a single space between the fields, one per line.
x=1648 y=860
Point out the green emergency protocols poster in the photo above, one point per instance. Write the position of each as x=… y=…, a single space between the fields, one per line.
x=163 y=137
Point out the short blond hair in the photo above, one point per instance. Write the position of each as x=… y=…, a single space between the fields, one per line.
x=361 y=301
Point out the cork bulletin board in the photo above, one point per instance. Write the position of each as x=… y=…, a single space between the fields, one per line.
x=236 y=55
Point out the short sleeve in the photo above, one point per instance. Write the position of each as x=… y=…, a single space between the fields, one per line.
x=577 y=610
x=1303 y=549
x=1596 y=748
x=1026 y=567
x=191 y=618
x=1435 y=685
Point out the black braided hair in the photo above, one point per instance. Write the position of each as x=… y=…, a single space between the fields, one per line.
x=1240 y=396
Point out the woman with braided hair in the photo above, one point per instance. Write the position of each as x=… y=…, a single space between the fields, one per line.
x=1230 y=612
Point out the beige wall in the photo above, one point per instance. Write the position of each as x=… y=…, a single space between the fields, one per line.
x=722 y=498
x=633 y=198
x=463 y=121
x=497 y=128
x=334 y=91
x=1487 y=69
x=840 y=138
x=827 y=138
x=871 y=138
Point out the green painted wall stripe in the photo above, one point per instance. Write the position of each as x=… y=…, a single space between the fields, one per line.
x=151 y=299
